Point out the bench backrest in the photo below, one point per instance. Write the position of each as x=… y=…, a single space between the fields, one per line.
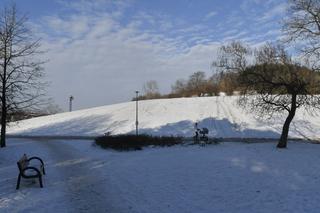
x=23 y=162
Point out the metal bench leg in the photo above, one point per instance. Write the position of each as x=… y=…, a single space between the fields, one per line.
x=43 y=170
x=40 y=180
x=18 y=182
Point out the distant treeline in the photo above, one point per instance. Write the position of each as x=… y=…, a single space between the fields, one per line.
x=198 y=84
x=22 y=114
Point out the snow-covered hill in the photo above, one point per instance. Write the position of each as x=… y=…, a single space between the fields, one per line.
x=220 y=115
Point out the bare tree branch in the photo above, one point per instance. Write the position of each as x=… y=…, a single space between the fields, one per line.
x=21 y=84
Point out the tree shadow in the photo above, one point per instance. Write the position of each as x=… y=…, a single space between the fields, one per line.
x=217 y=128
x=98 y=125
x=83 y=126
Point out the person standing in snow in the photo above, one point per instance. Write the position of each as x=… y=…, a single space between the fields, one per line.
x=196 y=130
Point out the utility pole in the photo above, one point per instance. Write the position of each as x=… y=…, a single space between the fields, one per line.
x=70 y=103
x=137 y=122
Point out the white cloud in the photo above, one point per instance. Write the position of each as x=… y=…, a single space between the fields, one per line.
x=101 y=60
x=274 y=12
x=108 y=61
x=210 y=15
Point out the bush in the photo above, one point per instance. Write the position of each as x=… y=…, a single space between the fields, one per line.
x=133 y=142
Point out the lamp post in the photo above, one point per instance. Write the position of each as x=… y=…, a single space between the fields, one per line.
x=137 y=122
x=70 y=103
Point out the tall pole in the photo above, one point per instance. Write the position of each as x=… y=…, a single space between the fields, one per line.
x=137 y=122
x=70 y=103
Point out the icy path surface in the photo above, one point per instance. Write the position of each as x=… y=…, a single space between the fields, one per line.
x=228 y=177
x=73 y=181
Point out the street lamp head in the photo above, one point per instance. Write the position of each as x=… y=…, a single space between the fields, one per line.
x=70 y=102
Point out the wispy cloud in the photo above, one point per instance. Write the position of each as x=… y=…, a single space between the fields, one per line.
x=275 y=12
x=101 y=53
x=112 y=59
x=210 y=15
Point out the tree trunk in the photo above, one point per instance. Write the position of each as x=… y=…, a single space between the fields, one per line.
x=3 y=126
x=285 y=129
x=4 y=104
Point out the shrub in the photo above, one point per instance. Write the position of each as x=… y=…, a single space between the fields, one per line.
x=133 y=142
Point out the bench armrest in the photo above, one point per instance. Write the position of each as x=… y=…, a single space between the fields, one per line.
x=37 y=158
x=32 y=168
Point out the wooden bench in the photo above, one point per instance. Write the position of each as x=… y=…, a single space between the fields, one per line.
x=28 y=172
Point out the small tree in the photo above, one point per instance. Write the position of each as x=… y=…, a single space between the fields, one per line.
x=276 y=84
x=229 y=82
x=179 y=88
x=273 y=83
x=151 y=89
x=20 y=73
x=197 y=83
x=232 y=57
x=211 y=86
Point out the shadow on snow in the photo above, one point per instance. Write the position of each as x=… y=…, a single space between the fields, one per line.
x=217 y=128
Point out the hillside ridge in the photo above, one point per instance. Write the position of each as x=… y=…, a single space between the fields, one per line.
x=220 y=114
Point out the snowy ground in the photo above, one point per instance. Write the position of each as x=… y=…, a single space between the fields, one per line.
x=221 y=115
x=228 y=177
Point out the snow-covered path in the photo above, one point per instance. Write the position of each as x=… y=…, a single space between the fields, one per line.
x=228 y=177
x=73 y=182
x=79 y=177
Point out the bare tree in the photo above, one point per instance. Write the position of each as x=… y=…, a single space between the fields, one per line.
x=151 y=89
x=303 y=26
x=276 y=84
x=212 y=85
x=20 y=73
x=229 y=82
x=232 y=57
x=197 y=83
x=179 y=87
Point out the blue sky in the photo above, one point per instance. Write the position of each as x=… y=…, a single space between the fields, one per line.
x=101 y=51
